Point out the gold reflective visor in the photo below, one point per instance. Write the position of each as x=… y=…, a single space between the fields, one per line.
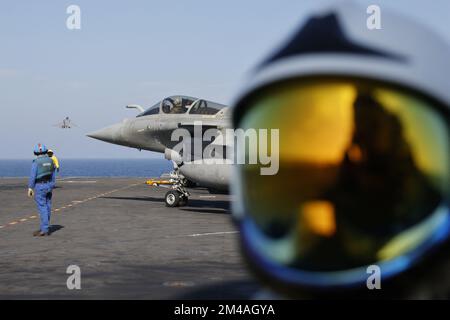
x=363 y=173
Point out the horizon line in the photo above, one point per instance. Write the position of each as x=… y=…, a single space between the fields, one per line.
x=87 y=158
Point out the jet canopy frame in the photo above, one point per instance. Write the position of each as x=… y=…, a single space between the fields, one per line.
x=183 y=104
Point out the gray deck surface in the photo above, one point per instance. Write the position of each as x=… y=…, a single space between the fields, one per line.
x=127 y=243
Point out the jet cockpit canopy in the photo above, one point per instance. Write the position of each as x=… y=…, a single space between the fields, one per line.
x=177 y=104
x=181 y=104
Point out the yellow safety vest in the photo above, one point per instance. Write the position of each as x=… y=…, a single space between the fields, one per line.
x=55 y=161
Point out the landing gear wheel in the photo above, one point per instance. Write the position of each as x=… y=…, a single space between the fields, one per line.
x=173 y=198
x=183 y=201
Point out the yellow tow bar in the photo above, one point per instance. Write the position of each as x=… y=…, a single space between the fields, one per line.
x=157 y=182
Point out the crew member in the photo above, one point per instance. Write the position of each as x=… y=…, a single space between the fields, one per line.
x=40 y=185
x=51 y=154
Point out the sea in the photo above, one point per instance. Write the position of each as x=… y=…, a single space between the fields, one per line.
x=92 y=168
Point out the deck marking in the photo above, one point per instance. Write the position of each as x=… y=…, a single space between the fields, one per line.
x=211 y=233
x=80 y=181
x=203 y=234
x=75 y=202
x=178 y=284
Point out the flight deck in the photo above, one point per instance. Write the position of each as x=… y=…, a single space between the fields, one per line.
x=126 y=242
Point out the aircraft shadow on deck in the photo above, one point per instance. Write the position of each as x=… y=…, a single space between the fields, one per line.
x=206 y=206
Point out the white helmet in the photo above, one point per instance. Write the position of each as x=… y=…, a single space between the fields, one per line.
x=177 y=101
x=337 y=42
x=363 y=119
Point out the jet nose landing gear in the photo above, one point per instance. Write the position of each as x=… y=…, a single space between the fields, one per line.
x=175 y=198
x=178 y=195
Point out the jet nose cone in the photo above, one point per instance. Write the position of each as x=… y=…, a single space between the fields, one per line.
x=110 y=134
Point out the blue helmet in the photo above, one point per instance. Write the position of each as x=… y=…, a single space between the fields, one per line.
x=40 y=149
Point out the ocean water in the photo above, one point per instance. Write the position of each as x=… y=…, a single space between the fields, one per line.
x=93 y=167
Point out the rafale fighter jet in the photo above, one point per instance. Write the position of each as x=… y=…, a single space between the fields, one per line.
x=152 y=130
x=65 y=124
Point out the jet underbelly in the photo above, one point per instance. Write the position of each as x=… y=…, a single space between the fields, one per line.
x=215 y=176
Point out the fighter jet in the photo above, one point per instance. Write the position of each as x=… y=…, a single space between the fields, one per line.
x=65 y=124
x=152 y=129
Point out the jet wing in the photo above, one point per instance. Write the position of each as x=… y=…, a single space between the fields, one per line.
x=65 y=125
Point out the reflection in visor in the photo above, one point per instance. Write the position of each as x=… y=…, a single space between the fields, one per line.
x=363 y=170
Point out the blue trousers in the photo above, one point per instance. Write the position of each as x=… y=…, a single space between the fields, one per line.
x=43 y=199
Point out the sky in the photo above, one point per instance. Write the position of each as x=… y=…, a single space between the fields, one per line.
x=137 y=52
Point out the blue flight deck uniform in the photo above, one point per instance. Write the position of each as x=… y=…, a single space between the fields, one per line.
x=42 y=180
